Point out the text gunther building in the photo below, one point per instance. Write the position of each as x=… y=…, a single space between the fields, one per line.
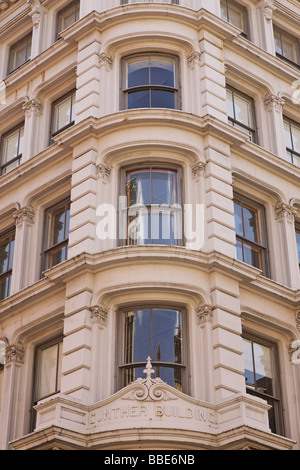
x=150 y=224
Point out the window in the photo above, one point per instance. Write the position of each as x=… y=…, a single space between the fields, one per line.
x=56 y=235
x=154 y=332
x=67 y=17
x=250 y=233
x=7 y=244
x=286 y=47
x=234 y=14
x=150 y=82
x=19 y=54
x=47 y=375
x=240 y=110
x=298 y=243
x=2 y=355
x=63 y=113
x=261 y=377
x=11 y=149
x=292 y=141
x=153 y=206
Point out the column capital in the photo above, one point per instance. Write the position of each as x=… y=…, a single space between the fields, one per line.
x=294 y=350
x=204 y=314
x=193 y=58
x=274 y=102
x=35 y=13
x=33 y=106
x=99 y=315
x=15 y=353
x=298 y=320
x=103 y=172
x=285 y=211
x=25 y=214
x=198 y=170
x=268 y=9
x=105 y=60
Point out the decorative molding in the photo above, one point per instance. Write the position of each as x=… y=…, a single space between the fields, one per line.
x=204 y=314
x=36 y=8
x=193 y=58
x=294 y=350
x=103 y=172
x=105 y=60
x=15 y=353
x=5 y=4
x=99 y=315
x=198 y=170
x=149 y=389
x=25 y=214
x=268 y=9
x=33 y=106
x=285 y=211
x=298 y=320
x=274 y=102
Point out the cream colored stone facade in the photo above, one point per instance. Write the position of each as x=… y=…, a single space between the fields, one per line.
x=80 y=299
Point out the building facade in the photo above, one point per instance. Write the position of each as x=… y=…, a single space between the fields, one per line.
x=150 y=224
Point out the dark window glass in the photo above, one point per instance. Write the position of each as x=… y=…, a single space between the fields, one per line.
x=292 y=141
x=286 y=47
x=67 y=17
x=7 y=244
x=250 y=236
x=153 y=209
x=63 y=113
x=11 y=149
x=240 y=111
x=234 y=14
x=57 y=235
x=19 y=53
x=150 y=82
x=154 y=332
x=262 y=377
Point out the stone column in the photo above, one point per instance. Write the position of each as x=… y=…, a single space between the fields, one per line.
x=106 y=106
x=98 y=354
x=24 y=219
x=287 y=257
x=274 y=108
x=265 y=13
x=12 y=390
x=33 y=110
x=203 y=354
x=37 y=16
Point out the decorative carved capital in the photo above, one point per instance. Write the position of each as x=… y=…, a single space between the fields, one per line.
x=285 y=211
x=268 y=9
x=298 y=320
x=274 y=102
x=105 y=60
x=193 y=58
x=198 y=170
x=204 y=314
x=25 y=214
x=99 y=315
x=103 y=172
x=15 y=353
x=36 y=8
x=294 y=350
x=33 y=106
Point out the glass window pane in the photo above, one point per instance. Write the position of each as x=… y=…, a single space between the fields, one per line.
x=139 y=227
x=2 y=353
x=47 y=371
x=10 y=146
x=171 y=375
x=139 y=99
x=236 y=16
x=162 y=99
x=138 y=73
x=287 y=133
x=263 y=368
x=62 y=114
x=68 y=17
x=224 y=10
x=239 y=248
x=138 y=187
x=250 y=224
x=58 y=227
x=296 y=138
x=278 y=47
x=162 y=73
x=166 y=336
x=137 y=336
x=252 y=256
x=4 y=257
x=238 y=219
x=243 y=110
x=230 y=109
x=289 y=47
x=248 y=362
x=298 y=244
x=164 y=187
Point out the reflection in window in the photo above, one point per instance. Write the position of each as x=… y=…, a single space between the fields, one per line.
x=57 y=235
x=298 y=243
x=249 y=231
x=68 y=16
x=7 y=244
x=150 y=82
x=153 y=210
x=234 y=14
x=11 y=149
x=63 y=113
x=292 y=141
x=261 y=377
x=240 y=111
x=286 y=47
x=154 y=332
x=2 y=354
x=19 y=53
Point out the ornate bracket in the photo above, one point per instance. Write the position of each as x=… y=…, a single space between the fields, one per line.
x=25 y=214
x=268 y=9
x=198 y=170
x=283 y=210
x=99 y=315
x=204 y=314
x=35 y=13
x=294 y=350
x=15 y=353
x=193 y=58
x=105 y=60
x=103 y=172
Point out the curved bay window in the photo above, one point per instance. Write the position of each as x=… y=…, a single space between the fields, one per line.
x=262 y=378
x=154 y=332
x=153 y=206
x=150 y=81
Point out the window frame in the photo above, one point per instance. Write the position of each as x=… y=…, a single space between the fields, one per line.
x=244 y=11
x=120 y=344
x=76 y=5
x=252 y=132
x=159 y=55
x=2 y=355
x=180 y=192
x=9 y=235
x=261 y=230
x=295 y=40
x=54 y=104
x=48 y=248
x=297 y=230
x=27 y=40
x=276 y=398
x=293 y=153
x=18 y=158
